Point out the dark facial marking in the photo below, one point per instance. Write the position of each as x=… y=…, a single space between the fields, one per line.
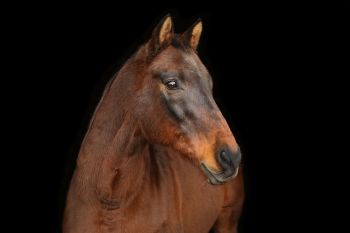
x=206 y=101
x=204 y=90
x=189 y=114
x=174 y=110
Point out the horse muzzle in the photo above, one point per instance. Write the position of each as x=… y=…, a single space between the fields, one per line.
x=230 y=165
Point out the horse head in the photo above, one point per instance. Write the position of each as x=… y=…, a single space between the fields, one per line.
x=174 y=105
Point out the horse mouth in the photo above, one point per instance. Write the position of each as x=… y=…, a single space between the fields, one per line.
x=217 y=178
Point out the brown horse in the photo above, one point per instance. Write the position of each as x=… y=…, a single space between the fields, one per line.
x=158 y=155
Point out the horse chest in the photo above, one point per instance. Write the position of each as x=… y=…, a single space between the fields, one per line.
x=190 y=215
x=178 y=205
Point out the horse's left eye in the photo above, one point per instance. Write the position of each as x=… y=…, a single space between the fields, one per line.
x=171 y=84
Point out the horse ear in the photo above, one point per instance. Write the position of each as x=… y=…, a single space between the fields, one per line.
x=193 y=34
x=162 y=34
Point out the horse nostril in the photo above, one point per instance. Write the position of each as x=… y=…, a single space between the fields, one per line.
x=225 y=159
x=229 y=161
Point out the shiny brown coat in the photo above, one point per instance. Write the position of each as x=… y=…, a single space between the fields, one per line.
x=138 y=168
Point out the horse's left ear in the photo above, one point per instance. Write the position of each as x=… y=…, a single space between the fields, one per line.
x=162 y=34
x=193 y=34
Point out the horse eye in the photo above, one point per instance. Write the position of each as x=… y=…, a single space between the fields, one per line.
x=171 y=84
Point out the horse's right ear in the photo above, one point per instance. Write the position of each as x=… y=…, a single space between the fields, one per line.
x=193 y=34
x=162 y=35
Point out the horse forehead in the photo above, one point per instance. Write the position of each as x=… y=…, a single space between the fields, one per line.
x=172 y=58
x=192 y=61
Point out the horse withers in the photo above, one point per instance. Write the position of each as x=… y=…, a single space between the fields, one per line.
x=158 y=155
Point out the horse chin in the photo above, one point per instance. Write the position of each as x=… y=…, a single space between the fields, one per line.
x=217 y=178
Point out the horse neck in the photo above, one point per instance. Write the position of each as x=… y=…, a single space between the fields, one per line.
x=123 y=165
x=113 y=142
x=109 y=115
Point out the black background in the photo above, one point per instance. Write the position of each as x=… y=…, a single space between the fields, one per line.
x=262 y=58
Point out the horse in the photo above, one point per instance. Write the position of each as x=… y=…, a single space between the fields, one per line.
x=158 y=155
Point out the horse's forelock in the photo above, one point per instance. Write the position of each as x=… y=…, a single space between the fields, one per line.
x=177 y=42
